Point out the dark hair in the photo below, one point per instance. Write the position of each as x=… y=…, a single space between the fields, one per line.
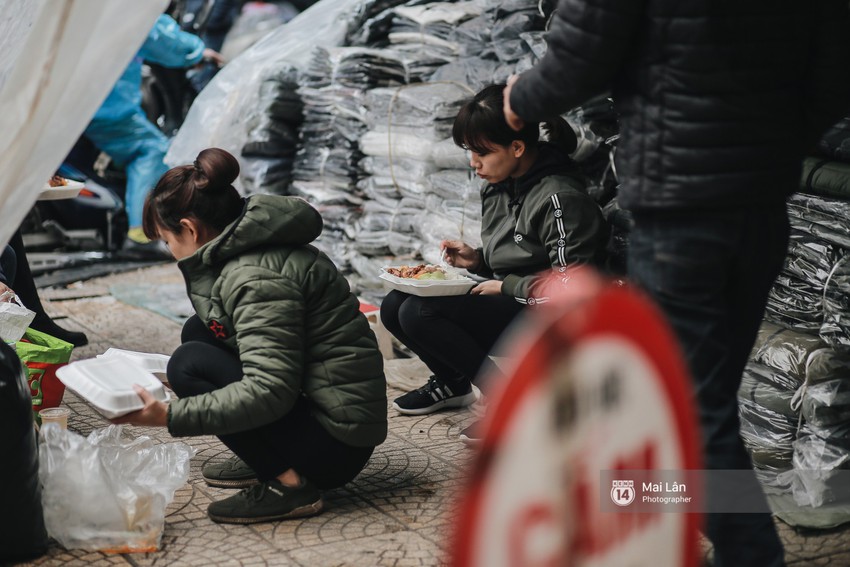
x=480 y=123
x=202 y=191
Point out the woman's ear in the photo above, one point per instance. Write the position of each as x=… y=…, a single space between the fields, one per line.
x=518 y=148
x=192 y=228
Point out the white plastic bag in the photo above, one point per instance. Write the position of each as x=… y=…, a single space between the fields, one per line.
x=108 y=492
x=14 y=320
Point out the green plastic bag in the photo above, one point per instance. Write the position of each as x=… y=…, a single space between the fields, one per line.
x=42 y=355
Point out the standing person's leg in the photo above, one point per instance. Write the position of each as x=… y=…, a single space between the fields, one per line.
x=25 y=289
x=144 y=169
x=137 y=145
x=8 y=266
x=710 y=274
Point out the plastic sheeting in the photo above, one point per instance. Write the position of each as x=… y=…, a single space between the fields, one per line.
x=218 y=115
x=768 y=435
x=827 y=403
x=819 y=453
x=53 y=77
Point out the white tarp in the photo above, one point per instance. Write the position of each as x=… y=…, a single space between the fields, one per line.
x=58 y=61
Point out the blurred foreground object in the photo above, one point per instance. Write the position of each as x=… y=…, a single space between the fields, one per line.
x=22 y=534
x=599 y=385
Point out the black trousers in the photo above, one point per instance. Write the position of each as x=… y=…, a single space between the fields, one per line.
x=710 y=272
x=452 y=335
x=203 y=364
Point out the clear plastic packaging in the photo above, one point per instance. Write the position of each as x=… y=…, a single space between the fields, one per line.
x=827 y=403
x=220 y=113
x=767 y=434
x=108 y=492
x=786 y=351
x=821 y=459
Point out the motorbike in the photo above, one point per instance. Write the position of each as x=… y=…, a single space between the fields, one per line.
x=92 y=226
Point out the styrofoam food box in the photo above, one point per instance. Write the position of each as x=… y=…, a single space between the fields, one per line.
x=156 y=363
x=107 y=384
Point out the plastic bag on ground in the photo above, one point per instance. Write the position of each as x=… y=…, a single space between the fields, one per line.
x=14 y=320
x=108 y=492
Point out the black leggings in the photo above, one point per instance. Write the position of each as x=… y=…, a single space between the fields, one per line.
x=452 y=335
x=203 y=364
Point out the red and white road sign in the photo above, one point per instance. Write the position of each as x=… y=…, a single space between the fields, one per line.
x=598 y=385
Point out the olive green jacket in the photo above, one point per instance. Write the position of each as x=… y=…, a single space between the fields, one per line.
x=286 y=311
x=539 y=223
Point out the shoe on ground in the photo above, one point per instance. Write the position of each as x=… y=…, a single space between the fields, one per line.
x=434 y=396
x=267 y=502
x=45 y=324
x=151 y=250
x=232 y=473
x=137 y=235
x=471 y=436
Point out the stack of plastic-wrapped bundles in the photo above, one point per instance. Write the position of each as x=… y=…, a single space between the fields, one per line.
x=412 y=215
x=497 y=43
x=252 y=108
x=272 y=134
x=795 y=396
x=795 y=420
x=326 y=165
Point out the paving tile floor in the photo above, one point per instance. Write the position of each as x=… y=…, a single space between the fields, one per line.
x=396 y=513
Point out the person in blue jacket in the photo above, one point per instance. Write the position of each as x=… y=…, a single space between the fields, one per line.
x=120 y=127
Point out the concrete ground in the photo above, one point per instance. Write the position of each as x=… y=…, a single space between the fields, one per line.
x=396 y=513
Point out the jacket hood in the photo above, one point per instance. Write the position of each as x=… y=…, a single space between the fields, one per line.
x=266 y=220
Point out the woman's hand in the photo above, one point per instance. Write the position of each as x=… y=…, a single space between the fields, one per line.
x=154 y=414
x=490 y=287
x=460 y=254
x=213 y=57
x=6 y=293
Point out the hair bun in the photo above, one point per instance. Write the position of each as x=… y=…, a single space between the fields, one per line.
x=215 y=170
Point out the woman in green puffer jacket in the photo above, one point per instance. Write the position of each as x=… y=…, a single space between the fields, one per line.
x=278 y=361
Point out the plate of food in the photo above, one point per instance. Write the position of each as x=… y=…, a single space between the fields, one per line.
x=426 y=280
x=60 y=188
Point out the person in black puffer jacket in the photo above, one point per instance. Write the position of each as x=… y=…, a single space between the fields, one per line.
x=719 y=102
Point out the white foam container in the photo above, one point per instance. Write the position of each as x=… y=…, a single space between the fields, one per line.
x=152 y=362
x=454 y=284
x=69 y=191
x=107 y=384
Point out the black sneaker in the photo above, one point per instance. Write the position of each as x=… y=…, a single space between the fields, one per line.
x=142 y=252
x=434 y=396
x=232 y=473
x=266 y=502
x=471 y=436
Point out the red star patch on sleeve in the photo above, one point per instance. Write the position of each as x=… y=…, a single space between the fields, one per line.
x=217 y=329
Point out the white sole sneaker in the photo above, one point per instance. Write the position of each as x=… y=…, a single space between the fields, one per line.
x=453 y=402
